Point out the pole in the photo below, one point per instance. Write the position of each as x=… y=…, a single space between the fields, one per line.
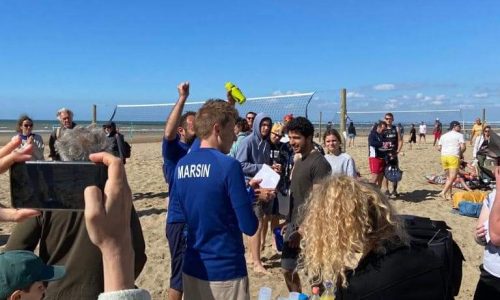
x=94 y=114
x=484 y=116
x=320 y=122
x=343 y=114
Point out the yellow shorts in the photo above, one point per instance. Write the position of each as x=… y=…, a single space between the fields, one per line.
x=450 y=162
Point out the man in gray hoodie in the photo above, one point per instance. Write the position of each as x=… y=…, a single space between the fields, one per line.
x=254 y=151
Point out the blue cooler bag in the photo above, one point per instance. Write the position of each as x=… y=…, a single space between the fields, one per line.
x=469 y=209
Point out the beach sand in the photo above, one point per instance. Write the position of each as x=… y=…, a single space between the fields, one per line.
x=144 y=172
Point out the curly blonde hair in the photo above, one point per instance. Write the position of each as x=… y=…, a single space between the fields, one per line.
x=344 y=220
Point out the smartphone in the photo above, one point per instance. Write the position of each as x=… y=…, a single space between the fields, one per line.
x=54 y=185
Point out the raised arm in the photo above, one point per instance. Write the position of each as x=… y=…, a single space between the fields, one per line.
x=172 y=122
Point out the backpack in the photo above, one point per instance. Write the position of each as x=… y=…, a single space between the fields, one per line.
x=437 y=237
x=127 y=149
x=124 y=148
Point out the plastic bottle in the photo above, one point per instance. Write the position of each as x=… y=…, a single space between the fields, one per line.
x=278 y=238
x=329 y=294
x=265 y=293
x=315 y=293
x=235 y=92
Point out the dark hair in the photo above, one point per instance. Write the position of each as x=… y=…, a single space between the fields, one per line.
x=242 y=124
x=390 y=115
x=183 y=120
x=301 y=125
x=252 y=113
x=380 y=123
x=332 y=132
x=20 y=121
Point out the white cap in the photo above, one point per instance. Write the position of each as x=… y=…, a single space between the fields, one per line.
x=437 y=119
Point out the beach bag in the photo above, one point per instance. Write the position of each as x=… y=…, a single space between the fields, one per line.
x=475 y=196
x=436 y=236
x=469 y=209
x=393 y=173
x=127 y=150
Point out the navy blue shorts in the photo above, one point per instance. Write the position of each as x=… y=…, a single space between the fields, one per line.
x=177 y=244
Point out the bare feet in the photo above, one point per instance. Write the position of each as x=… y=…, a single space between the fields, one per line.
x=260 y=269
x=444 y=197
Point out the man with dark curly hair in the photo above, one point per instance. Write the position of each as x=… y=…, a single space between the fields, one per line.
x=310 y=167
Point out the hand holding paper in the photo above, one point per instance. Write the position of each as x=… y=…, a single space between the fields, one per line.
x=269 y=177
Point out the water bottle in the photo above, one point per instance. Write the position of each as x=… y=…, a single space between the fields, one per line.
x=278 y=237
x=315 y=293
x=293 y=296
x=265 y=293
x=235 y=92
x=329 y=293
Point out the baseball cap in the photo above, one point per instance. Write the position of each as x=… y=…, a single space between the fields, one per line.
x=288 y=117
x=453 y=124
x=19 y=269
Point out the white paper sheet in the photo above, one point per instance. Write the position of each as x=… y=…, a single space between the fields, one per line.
x=269 y=177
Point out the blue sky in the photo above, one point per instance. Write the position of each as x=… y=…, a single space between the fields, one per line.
x=390 y=55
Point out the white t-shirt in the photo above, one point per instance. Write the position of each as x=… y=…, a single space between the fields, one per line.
x=491 y=259
x=422 y=129
x=342 y=164
x=450 y=143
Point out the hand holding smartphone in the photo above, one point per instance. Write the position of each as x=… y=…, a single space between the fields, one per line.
x=50 y=185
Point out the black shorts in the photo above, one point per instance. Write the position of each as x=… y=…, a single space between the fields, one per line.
x=289 y=257
x=177 y=245
x=488 y=286
x=422 y=135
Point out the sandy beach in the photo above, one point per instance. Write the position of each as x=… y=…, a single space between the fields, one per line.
x=144 y=171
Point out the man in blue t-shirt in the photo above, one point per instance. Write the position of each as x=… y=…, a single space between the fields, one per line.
x=178 y=137
x=211 y=190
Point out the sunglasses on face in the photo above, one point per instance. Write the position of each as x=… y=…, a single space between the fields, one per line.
x=28 y=125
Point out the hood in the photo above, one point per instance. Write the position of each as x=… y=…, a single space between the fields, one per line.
x=256 y=123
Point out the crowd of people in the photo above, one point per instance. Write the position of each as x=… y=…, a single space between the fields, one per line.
x=211 y=159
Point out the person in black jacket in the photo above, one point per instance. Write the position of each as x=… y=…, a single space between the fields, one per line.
x=376 y=153
x=352 y=238
x=120 y=148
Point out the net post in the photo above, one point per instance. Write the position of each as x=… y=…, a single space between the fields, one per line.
x=94 y=114
x=343 y=113
x=483 y=116
x=320 y=122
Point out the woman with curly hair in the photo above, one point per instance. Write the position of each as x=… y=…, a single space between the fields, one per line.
x=24 y=130
x=352 y=238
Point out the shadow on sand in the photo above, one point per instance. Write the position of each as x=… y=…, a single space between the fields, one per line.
x=151 y=211
x=417 y=196
x=149 y=195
